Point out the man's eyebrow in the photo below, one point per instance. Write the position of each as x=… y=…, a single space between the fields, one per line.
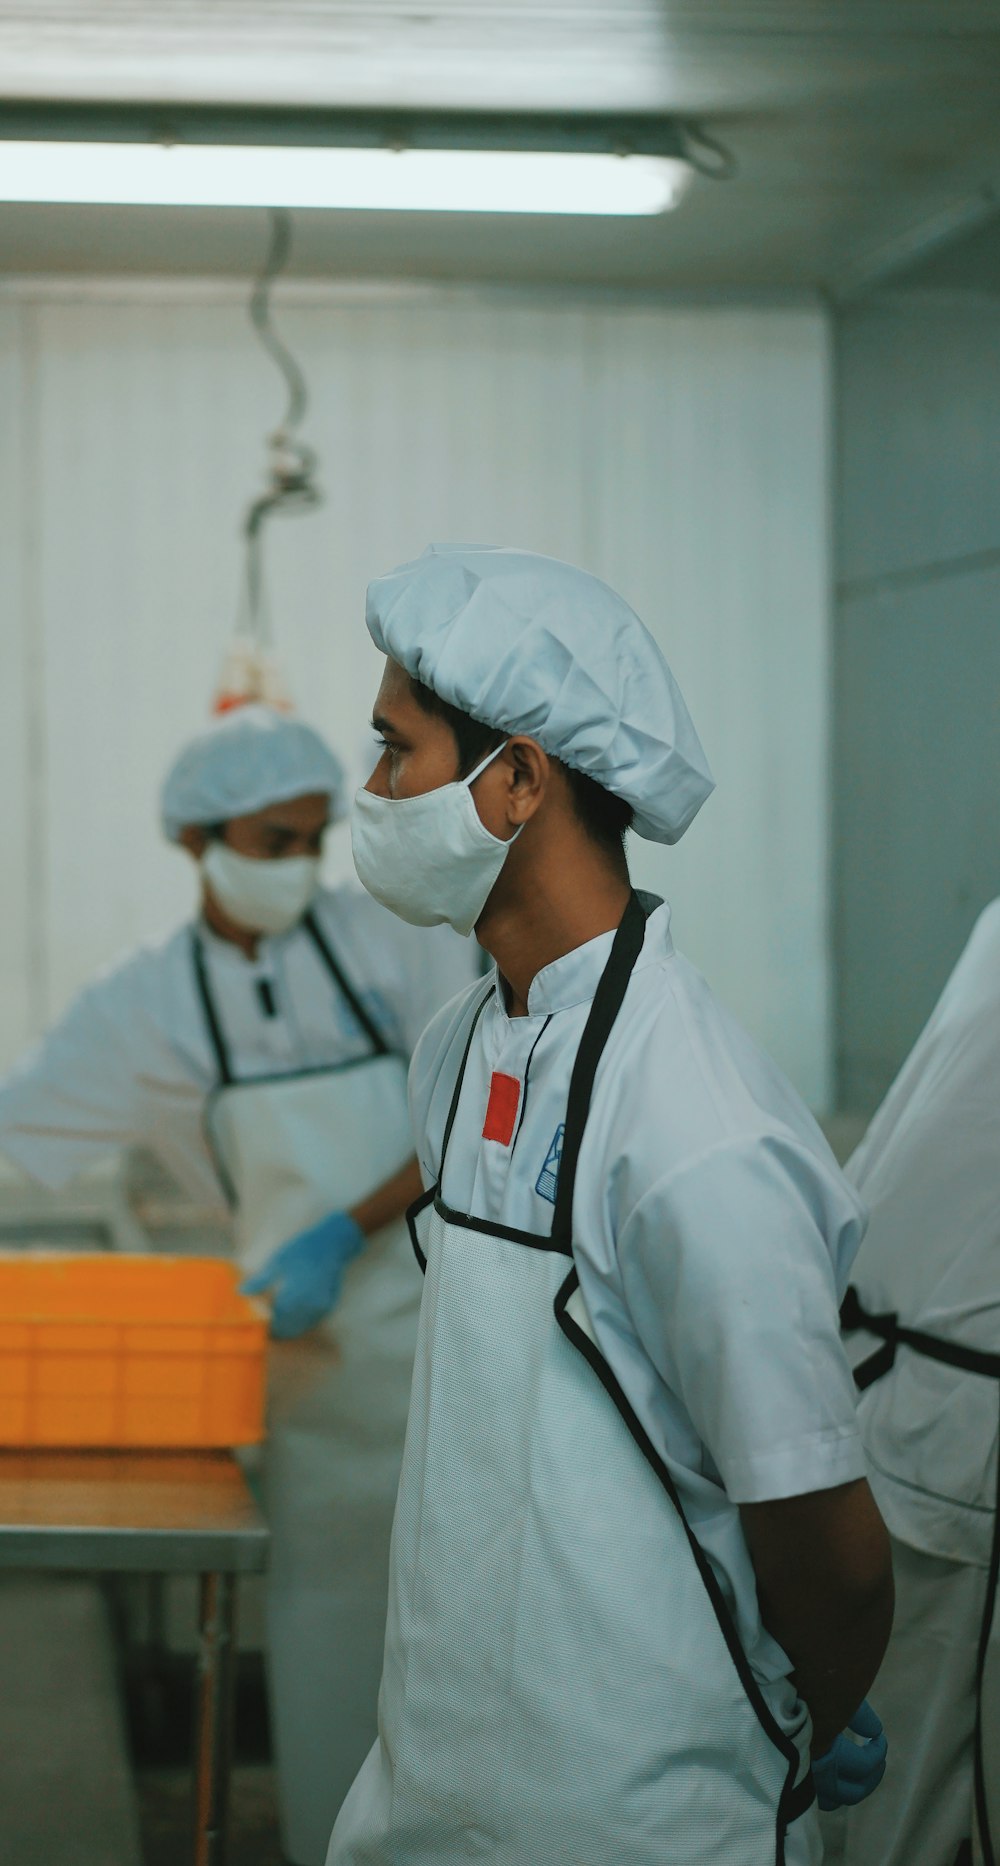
x=381 y=723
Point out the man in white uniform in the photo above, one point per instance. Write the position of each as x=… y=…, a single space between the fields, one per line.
x=638 y=1583
x=132 y=1061
x=280 y=994
x=928 y=1277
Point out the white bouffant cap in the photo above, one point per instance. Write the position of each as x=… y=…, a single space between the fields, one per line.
x=528 y=644
x=251 y=757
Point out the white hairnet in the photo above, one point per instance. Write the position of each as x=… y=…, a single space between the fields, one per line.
x=527 y=644
x=244 y=761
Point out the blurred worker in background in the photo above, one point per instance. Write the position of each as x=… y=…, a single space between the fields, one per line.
x=924 y=1321
x=639 y=1586
x=262 y=1049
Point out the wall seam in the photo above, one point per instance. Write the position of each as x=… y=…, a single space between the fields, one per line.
x=831 y=969
x=33 y=661
x=939 y=570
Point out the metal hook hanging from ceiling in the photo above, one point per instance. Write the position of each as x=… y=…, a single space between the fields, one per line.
x=291 y=464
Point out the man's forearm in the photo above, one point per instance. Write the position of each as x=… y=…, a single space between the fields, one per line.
x=390 y=1200
x=824 y=1581
x=835 y=1657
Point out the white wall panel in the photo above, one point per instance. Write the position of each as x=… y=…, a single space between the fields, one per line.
x=681 y=454
x=710 y=515
x=918 y=666
x=20 y=1005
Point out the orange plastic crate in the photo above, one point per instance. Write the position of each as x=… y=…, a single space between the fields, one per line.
x=128 y=1351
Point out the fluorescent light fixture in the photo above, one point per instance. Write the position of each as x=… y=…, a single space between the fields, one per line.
x=456 y=181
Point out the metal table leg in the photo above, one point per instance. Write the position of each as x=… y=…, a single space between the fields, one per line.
x=214 y=1718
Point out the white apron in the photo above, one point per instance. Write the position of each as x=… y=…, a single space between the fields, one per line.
x=563 y=1683
x=919 y=1372
x=291 y=1149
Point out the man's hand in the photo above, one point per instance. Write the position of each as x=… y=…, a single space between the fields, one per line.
x=303 y=1278
x=851 y=1771
x=824 y=1581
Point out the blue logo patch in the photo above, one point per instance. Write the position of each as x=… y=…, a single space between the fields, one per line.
x=548 y=1179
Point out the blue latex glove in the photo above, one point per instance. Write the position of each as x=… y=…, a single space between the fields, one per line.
x=850 y=1772
x=304 y=1277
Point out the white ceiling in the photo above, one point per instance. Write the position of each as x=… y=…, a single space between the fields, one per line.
x=866 y=130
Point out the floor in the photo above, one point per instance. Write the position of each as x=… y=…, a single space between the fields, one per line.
x=95 y=1739
x=157 y=1696
x=165 y=1816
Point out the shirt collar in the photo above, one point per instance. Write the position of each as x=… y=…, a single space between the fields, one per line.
x=226 y=952
x=574 y=978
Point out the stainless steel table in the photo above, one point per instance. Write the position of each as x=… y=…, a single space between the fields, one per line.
x=164 y=1513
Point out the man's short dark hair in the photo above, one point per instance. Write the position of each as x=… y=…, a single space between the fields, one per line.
x=606 y=818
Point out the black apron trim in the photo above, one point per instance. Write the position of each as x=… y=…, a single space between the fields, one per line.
x=228 y=1079
x=223 y=1060
x=223 y=1057
x=269 y=1079
x=375 y=1037
x=979 y=1759
x=894 y=1335
x=528 y=1240
x=796 y=1796
x=531 y=1240
x=413 y=1212
x=608 y=1000
x=459 y=1081
x=886 y=1324
x=527 y=1084
x=800 y=1800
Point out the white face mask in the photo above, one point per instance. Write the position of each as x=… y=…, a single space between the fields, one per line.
x=264 y=897
x=430 y=858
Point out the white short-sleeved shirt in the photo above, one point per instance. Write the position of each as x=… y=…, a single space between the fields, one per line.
x=713 y=1230
x=929 y=1169
x=131 y=1062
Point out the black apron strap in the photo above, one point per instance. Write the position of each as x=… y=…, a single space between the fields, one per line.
x=457 y=1094
x=605 y=1008
x=204 y=990
x=854 y=1315
x=988 y=1841
x=894 y=1335
x=375 y=1037
x=608 y=1000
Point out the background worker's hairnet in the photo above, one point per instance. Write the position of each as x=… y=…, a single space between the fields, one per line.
x=250 y=758
x=527 y=644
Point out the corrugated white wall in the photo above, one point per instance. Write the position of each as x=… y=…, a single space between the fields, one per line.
x=680 y=453
x=918 y=664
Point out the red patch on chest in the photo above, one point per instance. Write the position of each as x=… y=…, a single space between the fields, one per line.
x=501 y=1112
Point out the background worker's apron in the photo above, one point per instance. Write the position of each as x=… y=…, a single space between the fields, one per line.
x=290 y=1149
x=934 y=1425
x=563 y=1684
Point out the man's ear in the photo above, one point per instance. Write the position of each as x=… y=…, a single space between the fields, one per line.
x=194 y=839
x=531 y=770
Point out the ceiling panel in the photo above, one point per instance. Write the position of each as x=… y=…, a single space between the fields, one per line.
x=854 y=122
x=610 y=54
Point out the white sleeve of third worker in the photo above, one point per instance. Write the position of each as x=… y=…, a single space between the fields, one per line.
x=729 y=1281
x=73 y=1099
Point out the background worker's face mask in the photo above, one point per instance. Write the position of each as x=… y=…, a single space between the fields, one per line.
x=264 y=897
x=430 y=858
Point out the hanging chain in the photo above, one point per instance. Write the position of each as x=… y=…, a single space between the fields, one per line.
x=291 y=464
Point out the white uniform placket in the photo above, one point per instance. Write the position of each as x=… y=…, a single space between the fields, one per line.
x=512 y=1041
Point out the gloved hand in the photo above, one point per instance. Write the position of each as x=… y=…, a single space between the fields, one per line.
x=850 y=1772
x=305 y=1275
